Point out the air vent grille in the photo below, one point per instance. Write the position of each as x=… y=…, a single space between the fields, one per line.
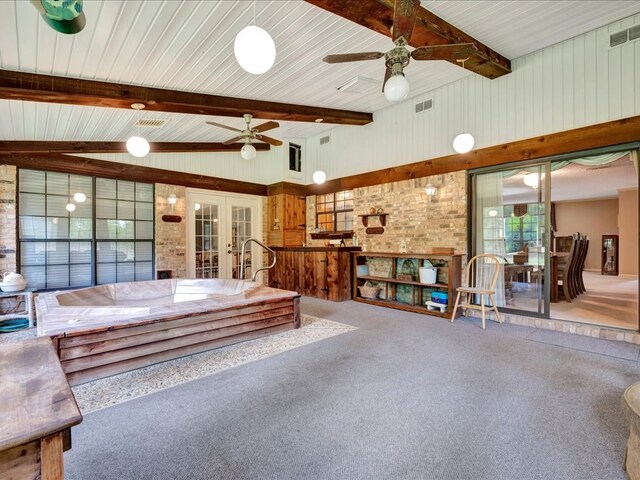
x=624 y=36
x=325 y=140
x=151 y=123
x=618 y=38
x=426 y=105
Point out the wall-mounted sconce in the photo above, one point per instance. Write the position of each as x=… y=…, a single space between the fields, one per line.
x=172 y=200
x=431 y=191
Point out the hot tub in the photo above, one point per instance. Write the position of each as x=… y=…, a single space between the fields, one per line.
x=109 y=329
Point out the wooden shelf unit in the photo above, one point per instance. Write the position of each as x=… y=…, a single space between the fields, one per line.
x=419 y=291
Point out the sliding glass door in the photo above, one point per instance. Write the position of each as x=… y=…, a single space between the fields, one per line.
x=510 y=220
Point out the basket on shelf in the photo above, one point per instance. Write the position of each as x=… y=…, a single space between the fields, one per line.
x=369 y=291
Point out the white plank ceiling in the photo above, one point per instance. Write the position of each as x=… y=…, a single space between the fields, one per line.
x=188 y=45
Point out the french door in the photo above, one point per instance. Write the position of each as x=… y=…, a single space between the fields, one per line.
x=217 y=226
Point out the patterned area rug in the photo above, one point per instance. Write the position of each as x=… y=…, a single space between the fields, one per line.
x=110 y=391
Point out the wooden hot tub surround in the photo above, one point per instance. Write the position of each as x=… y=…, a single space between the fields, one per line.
x=110 y=329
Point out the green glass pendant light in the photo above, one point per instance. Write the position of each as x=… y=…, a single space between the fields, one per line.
x=64 y=16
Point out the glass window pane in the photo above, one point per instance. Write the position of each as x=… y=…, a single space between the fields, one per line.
x=144 y=230
x=57 y=253
x=57 y=276
x=32 y=181
x=57 y=227
x=106 y=252
x=105 y=208
x=126 y=251
x=126 y=229
x=32 y=227
x=35 y=276
x=80 y=275
x=57 y=183
x=80 y=252
x=144 y=192
x=83 y=210
x=144 y=211
x=144 y=271
x=33 y=253
x=126 y=190
x=126 y=210
x=144 y=251
x=57 y=206
x=81 y=228
x=126 y=272
x=106 y=273
x=106 y=229
x=32 y=204
x=105 y=188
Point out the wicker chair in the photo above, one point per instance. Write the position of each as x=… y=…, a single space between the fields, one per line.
x=481 y=276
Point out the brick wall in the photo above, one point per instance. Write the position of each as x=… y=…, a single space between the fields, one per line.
x=413 y=219
x=8 y=259
x=171 y=238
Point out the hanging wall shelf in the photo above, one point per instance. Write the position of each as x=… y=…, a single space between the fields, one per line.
x=383 y=218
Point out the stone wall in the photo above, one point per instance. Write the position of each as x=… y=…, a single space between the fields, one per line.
x=8 y=234
x=171 y=238
x=413 y=219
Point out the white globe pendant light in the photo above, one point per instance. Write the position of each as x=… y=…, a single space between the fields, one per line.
x=463 y=143
x=254 y=48
x=319 y=177
x=397 y=88
x=138 y=146
x=248 y=151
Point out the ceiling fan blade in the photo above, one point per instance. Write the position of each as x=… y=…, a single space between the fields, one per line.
x=387 y=76
x=269 y=140
x=223 y=126
x=451 y=53
x=352 y=57
x=233 y=140
x=266 y=126
x=404 y=18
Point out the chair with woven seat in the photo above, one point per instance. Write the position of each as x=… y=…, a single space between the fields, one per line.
x=481 y=277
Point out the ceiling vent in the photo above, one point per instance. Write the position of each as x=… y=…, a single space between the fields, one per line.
x=151 y=123
x=325 y=140
x=624 y=36
x=359 y=84
x=426 y=105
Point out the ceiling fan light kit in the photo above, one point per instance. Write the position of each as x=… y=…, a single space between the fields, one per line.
x=248 y=151
x=397 y=88
x=64 y=17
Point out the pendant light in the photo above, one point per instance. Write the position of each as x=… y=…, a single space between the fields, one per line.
x=254 y=48
x=463 y=142
x=319 y=176
x=137 y=145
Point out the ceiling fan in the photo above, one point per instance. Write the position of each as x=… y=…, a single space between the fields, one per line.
x=248 y=151
x=395 y=85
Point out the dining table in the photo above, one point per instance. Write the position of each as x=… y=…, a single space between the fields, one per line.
x=535 y=262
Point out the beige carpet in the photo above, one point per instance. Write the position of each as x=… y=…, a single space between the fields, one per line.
x=609 y=300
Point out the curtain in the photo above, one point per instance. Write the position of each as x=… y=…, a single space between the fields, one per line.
x=489 y=230
x=634 y=159
x=590 y=161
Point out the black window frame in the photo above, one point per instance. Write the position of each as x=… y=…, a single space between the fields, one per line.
x=334 y=212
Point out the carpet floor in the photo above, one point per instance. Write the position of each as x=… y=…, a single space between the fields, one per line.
x=405 y=396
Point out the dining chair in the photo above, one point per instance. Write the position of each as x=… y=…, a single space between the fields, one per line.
x=481 y=275
x=583 y=259
x=566 y=269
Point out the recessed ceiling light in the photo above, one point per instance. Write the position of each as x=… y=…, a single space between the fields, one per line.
x=319 y=120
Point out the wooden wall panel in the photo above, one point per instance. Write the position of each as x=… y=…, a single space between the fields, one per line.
x=579 y=82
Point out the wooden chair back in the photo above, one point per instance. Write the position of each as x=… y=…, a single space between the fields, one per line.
x=482 y=272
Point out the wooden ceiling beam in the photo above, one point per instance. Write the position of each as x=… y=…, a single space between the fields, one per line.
x=616 y=132
x=429 y=29
x=35 y=147
x=56 y=162
x=33 y=87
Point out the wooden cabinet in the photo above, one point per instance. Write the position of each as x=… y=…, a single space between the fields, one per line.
x=396 y=275
x=314 y=272
x=286 y=220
